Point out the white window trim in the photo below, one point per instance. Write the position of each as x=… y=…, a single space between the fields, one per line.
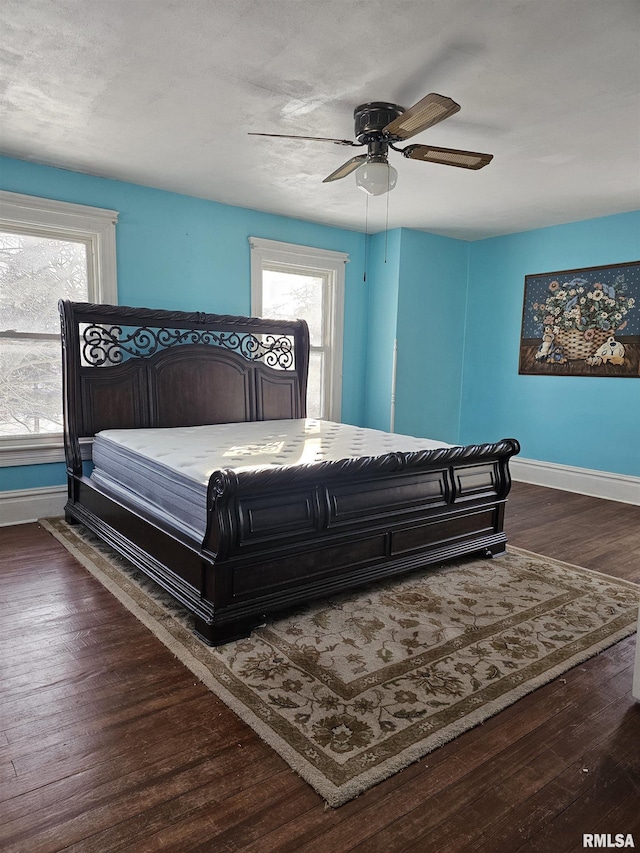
x=307 y=258
x=96 y=227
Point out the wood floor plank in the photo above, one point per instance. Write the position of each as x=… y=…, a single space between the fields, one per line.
x=38 y=710
x=616 y=821
x=450 y=788
x=108 y=743
x=101 y=785
x=512 y=792
x=577 y=798
x=196 y=811
x=130 y=718
x=218 y=775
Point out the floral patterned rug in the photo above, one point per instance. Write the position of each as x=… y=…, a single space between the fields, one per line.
x=351 y=690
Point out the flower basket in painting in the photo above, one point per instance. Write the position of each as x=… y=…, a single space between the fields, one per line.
x=577 y=344
x=582 y=316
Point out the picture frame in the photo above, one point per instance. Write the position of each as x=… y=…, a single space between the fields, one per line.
x=582 y=322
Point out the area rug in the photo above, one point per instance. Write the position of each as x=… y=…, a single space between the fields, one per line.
x=352 y=689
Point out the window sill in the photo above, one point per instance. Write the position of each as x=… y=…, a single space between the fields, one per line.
x=34 y=452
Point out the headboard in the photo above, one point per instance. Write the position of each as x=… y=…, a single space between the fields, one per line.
x=129 y=368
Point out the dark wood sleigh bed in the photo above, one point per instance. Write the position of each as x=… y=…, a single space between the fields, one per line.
x=275 y=537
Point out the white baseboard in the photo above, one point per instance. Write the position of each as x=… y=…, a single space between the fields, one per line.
x=584 y=481
x=22 y=505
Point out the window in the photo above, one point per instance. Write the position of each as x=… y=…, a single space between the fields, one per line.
x=49 y=250
x=290 y=282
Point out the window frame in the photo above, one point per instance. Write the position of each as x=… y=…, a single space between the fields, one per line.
x=325 y=263
x=96 y=228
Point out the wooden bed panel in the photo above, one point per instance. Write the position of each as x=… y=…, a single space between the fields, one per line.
x=400 y=494
x=113 y=398
x=474 y=480
x=441 y=531
x=298 y=571
x=188 y=388
x=278 y=398
x=260 y=519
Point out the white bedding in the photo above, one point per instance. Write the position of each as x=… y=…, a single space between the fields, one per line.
x=167 y=470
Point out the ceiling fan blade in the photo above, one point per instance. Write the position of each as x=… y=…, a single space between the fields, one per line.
x=427 y=112
x=314 y=138
x=346 y=168
x=447 y=156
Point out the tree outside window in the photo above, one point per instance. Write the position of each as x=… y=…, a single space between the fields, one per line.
x=34 y=273
x=49 y=250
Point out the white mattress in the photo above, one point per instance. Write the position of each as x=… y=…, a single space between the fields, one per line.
x=167 y=470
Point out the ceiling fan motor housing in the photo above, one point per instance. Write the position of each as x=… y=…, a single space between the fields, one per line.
x=370 y=119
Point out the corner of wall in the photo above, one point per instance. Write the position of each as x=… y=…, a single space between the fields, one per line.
x=464 y=340
x=383 y=258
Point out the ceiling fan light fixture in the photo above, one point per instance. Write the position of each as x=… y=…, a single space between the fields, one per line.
x=376 y=177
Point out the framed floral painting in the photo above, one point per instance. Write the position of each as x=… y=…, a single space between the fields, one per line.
x=582 y=322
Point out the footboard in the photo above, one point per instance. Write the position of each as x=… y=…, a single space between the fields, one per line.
x=283 y=536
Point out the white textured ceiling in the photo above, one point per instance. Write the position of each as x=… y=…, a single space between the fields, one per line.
x=163 y=93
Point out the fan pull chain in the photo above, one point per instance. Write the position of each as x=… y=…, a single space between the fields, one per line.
x=366 y=237
x=386 y=222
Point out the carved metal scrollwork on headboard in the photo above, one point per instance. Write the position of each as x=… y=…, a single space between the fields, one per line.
x=110 y=345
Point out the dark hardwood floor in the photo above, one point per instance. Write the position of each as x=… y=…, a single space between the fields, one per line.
x=108 y=743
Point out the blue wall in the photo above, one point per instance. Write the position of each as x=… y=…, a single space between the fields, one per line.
x=383 y=271
x=585 y=422
x=430 y=332
x=179 y=252
x=417 y=293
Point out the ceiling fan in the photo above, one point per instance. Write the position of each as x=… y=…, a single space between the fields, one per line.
x=379 y=126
